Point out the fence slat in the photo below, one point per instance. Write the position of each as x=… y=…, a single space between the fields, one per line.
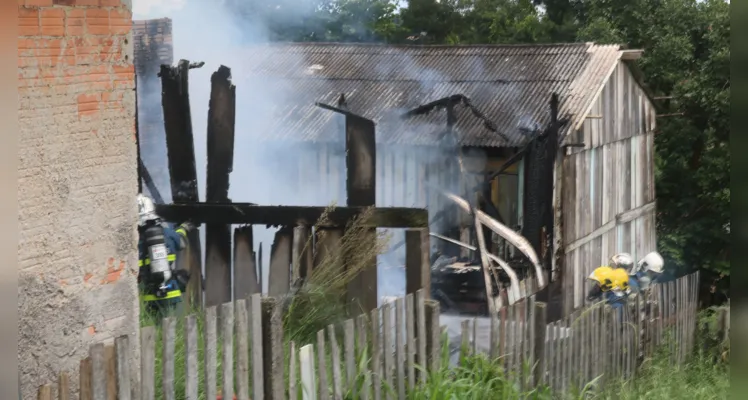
x=242 y=349
x=350 y=351
x=147 y=363
x=122 y=368
x=227 y=336
x=387 y=349
x=538 y=345
x=168 y=335
x=98 y=371
x=44 y=392
x=110 y=359
x=272 y=349
x=63 y=387
x=410 y=340
x=211 y=352
x=337 y=385
x=376 y=355
x=292 y=389
x=190 y=358
x=322 y=387
x=421 y=332
x=363 y=351
x=255 y=318
x=400 y=347
x=308 y=380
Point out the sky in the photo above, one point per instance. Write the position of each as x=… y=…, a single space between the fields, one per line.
x=154 y=8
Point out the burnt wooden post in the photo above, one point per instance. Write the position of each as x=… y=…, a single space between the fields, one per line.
x=258 y=264
x=245 y=273
x=180 y=150
x=279 y=275
x=360 y=143
x=302 y=252
x=417 y=261
x=221 y=119
x=538 y=220
x=327 y=243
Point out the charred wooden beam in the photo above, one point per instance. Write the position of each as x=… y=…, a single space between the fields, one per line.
x=220 y=145
x=178 y=127
x=417 y=261
x=326 y=244
x=301 y=259
x=451 y=101
x=279 y=274
x=175 y=101
x=360 y=160
x=246 y=282
x=244 y=213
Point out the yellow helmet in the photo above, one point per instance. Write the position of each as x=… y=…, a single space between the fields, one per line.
x=603 y=276
x=620 y=278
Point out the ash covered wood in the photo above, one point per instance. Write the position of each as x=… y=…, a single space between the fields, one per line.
x=180 y=150
x=220 y=146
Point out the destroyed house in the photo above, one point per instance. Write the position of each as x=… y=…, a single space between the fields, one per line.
x=577 y=202
x=598 y=192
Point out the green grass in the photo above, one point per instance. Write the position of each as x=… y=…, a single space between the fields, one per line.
x=321 y=302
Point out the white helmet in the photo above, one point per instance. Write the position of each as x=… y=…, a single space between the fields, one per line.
x=651 y=262
x=146 y=209
x=622 y=260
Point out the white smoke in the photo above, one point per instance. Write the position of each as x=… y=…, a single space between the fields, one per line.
x=207 y=31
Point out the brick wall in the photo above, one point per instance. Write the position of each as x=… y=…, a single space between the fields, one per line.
x=77 y=183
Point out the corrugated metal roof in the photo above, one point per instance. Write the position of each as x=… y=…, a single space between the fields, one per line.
x=510 y=84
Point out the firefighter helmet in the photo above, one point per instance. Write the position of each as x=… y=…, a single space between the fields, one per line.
x=622 y=260
x=146 y=209
x=602 y=275
x=651 y=262
x=620 y=278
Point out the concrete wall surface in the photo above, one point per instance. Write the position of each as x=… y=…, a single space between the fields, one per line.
x=76 y=186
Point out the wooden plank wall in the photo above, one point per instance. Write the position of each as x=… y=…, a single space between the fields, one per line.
x=402 y=176
x=608 y=186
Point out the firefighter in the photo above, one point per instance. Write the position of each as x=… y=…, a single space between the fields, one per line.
x=161 y=284
x=602 y=282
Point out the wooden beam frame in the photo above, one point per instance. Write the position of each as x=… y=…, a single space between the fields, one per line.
x=244 y=213
x=622 y=218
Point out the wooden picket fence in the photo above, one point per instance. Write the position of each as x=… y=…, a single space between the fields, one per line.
x=256 y=362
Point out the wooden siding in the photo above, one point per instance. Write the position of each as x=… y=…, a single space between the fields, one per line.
x=608 y=186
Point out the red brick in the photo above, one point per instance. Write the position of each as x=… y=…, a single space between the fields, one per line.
x=52 y=13
x=97 y=13
x=28 y=21
x=110 y=3
x=86 y=2
x=75 y=22
x=119 y=69
x=39 y=3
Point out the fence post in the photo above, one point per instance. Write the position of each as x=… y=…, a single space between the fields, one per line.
x=433 y=335
x=539 y=315
x=272 y=347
